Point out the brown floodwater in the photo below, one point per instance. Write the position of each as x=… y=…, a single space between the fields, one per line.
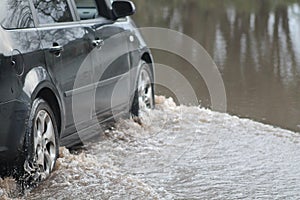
x=179 y=152
x=255 y=44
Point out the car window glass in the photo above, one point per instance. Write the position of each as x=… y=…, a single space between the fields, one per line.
x=53 y=11
x=87 y=9
x=16 y=14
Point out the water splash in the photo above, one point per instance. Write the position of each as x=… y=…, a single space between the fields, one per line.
x=178 y=152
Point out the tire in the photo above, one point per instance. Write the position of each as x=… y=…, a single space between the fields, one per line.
x=144 y=92
x=41 y=145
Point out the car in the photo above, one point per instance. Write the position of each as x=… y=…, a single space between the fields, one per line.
x=66 y=67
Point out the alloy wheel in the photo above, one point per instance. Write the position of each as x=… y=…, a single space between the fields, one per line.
x=44 y=147
x=145 y=90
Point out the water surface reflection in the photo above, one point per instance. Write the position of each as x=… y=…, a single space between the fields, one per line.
x=256 y=45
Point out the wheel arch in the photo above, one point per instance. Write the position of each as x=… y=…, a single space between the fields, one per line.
x=146 y=56
x=48 y=95
x=38 y=84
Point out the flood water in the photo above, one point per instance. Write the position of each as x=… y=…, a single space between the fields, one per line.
x=255 y=44
x=178 y=153
x=190 y=152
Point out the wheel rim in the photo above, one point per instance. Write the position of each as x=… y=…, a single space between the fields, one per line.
x=44 y=143
x=145 y=90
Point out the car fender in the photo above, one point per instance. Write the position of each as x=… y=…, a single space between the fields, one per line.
x=38 y=79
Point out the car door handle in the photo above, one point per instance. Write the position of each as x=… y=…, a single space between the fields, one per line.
x=56 y=49
x=98 y=43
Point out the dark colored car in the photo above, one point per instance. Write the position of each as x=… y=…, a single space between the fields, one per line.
x=66 y=66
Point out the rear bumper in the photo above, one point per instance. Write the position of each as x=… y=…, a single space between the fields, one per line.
x=13 y=120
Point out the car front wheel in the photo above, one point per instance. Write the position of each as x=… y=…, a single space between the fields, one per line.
x=144 y=93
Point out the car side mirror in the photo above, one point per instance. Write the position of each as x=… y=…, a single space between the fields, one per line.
x=123 y=8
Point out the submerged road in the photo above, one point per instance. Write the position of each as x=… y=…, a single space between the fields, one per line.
x=179 y=152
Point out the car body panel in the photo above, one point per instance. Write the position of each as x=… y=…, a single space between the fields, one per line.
x=64 y=68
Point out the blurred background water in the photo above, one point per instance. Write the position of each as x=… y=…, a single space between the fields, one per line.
x=255 y=44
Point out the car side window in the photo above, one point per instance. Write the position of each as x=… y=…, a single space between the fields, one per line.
x=87 y=9
x=15 y=14
x=52 y=11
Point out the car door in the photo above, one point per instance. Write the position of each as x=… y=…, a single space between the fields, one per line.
x=110 y=59
x=67 y=49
